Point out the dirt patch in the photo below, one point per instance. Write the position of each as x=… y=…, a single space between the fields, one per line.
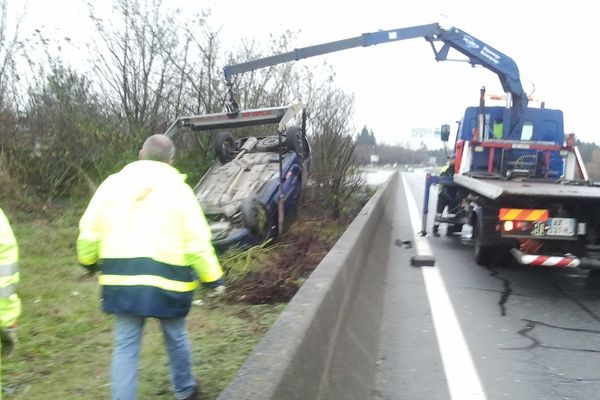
x=277 y=277
x=297 y=254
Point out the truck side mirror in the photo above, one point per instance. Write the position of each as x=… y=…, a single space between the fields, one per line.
x=445 y=132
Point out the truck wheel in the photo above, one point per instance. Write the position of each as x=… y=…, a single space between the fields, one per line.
x=452 y=229
x=224 y=147
x=484 y=255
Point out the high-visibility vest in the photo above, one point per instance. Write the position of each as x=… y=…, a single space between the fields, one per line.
x=10 y=304
x=146 y=230
x=447 y=171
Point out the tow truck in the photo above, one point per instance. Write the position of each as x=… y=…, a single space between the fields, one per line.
x=521 y=183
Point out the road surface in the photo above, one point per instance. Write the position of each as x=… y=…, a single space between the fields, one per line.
x=461 y=331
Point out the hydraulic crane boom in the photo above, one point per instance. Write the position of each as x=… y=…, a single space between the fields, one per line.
x=477 y=52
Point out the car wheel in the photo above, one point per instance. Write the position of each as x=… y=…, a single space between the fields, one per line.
x=270 y=143
x=293 y=140
x=255 y=218
x=224 y=147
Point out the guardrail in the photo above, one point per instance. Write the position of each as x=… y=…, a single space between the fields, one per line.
x=324 y=343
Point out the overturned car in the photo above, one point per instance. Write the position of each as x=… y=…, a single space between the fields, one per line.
x=252 y=191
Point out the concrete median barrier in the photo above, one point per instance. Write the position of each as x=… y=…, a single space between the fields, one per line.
x=324 y=343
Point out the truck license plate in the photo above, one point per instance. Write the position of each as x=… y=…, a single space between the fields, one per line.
x=560 y=227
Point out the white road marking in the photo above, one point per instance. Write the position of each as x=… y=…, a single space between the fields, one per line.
x=462 y=377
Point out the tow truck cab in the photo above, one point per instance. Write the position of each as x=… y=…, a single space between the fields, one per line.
x=535 y=153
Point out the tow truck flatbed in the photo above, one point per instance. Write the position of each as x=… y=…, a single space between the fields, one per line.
x=495 y=188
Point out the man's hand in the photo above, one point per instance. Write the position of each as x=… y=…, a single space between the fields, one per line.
x=9 y=339
x=217 y=292
x=91 y=269
x=217 y=287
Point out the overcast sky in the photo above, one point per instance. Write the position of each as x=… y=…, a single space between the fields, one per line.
x=399 y=86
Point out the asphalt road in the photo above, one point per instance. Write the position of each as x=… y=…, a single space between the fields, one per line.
x=462 y=331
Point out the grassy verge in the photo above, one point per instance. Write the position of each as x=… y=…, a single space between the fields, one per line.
x=66 y=341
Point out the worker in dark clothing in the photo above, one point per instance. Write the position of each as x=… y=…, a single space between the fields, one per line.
x=446 y=194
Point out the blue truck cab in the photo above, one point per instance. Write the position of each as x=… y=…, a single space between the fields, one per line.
x=533 y=151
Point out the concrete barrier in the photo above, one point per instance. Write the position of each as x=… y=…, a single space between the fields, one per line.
x=324 y=343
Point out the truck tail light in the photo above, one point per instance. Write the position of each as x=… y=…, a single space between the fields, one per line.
x=517 y=226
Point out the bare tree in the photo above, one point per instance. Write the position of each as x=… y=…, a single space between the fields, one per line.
x=268 y=86
x=131 y=64
x=10 y=46
x=200 y=73
x=334 y=168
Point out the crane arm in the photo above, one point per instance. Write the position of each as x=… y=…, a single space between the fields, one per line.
x=364 y=40
x=477 y=52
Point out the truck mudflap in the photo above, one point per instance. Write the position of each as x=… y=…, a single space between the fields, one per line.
x=555 y=261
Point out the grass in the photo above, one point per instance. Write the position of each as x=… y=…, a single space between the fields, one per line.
x=66 y=340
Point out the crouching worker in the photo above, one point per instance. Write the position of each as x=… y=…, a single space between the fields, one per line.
x=446 y=194
x=144 y=230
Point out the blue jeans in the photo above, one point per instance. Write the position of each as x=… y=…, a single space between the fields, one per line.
x=128 y=336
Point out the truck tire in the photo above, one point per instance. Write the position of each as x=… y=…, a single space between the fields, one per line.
x=224 y=147
x=484 y=255
x=454 y=228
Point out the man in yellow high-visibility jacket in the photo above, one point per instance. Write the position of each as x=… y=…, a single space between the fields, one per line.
x=10 y=304
x=145 y=231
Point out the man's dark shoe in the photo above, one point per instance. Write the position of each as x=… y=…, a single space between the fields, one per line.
x=195 y=395
x=435 y=231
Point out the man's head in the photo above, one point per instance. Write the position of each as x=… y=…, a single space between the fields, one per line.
x=158 y=148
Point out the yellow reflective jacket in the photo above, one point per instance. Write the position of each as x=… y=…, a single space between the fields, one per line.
x=10 y=304
x=145 y=229
x=447 y=171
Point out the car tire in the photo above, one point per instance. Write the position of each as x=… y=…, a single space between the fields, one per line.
x=293 y=140
x=267 y=144
x=224 y=147
x=255 y=218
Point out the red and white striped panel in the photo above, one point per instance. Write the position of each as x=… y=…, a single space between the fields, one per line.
x=547 y=261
